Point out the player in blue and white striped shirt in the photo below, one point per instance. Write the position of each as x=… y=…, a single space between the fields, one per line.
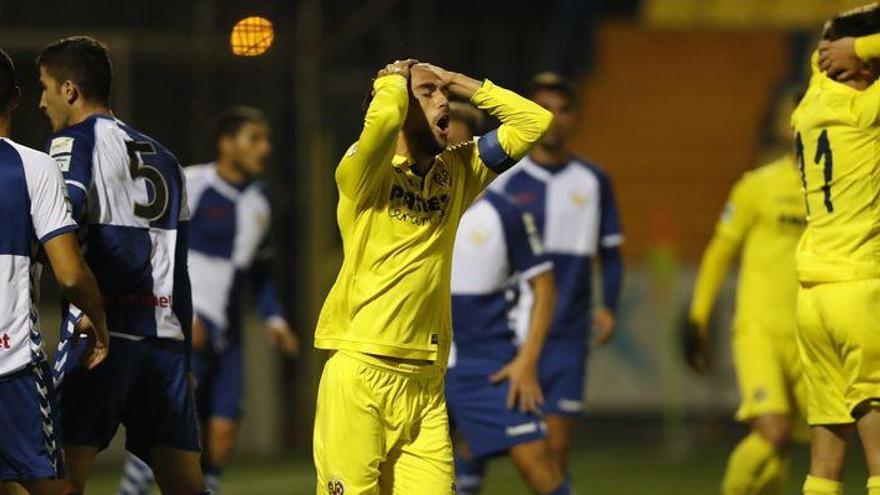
x=129 y=198
x=573 y=204
x=36 y=223
x=229 y=233
x=492 y=388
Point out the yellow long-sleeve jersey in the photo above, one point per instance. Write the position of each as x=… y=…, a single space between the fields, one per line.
x=868 y=47
x=763 y=219
x=837 y=129
x=392 y=295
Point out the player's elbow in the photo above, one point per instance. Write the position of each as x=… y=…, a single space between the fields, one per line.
x=544 y=287
x=544 y=119
x=524 y=137
x=71 y=278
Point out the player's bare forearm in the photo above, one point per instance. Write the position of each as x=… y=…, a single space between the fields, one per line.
x=463 y=86
x=544 y=288
x=78 y=283
x=713 y=269
x=73 y=276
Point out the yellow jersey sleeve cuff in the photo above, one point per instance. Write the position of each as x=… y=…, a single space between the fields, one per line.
x=484 y=93
x=868 y=47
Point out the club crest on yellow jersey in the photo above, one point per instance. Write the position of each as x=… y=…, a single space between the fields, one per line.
x=335 y=487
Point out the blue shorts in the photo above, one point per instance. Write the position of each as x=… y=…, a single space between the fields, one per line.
x=219 y=387
x=142 y=385
x=30 y=446
x=479 y=410
x=563 y=375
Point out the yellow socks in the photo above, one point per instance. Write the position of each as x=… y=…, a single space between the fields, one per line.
x=821 y=486
x=753 y=463
x=874 y=485
x=774 y=478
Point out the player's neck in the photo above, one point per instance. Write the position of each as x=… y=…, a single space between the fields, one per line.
x=423 y=160
x=5 y=126
x=230 y=173
x=79 y=114
x=549 y=157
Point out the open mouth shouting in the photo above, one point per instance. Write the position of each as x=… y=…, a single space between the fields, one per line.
x=443 y=124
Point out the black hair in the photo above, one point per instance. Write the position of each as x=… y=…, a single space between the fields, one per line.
x=552 y=81
x=8 y=81
x=857 y=22
x=230 y=121
x=83 y=60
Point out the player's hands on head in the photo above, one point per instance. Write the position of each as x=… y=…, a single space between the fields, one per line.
x=838 y=58
x=99 y=342
x=525 y=391
x=603 y=326
x=458 y=84
x=695 y=342
x=283 y=338
x=399 y=67
x=199 y=334
x=443 y=75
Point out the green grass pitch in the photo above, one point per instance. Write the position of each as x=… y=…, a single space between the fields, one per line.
x=631 y=469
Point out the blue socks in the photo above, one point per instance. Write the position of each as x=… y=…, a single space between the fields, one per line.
x=212 y=474
x=564 y=489
x=469 y=475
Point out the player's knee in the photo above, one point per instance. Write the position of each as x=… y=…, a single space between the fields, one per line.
x=543 y=478
x=826 y=464
x=71 y=487
x=776 y=431
x=559 y=454
x=541 y=473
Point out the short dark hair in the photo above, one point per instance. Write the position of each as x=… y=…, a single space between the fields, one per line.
x=8 y=81
x=552 y=81
x=857 y=22
x=83 y=60
x=230 y=120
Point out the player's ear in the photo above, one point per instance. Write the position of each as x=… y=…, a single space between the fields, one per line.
x=14 y=99
x=223 y=144
x=70 y=91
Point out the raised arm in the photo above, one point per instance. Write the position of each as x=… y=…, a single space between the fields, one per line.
x=523 y=121
x=385 y=116
x=841 y=58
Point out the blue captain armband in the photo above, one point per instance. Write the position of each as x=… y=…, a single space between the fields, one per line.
x=492 y=153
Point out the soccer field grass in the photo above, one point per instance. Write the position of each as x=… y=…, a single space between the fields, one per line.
x=607 y=471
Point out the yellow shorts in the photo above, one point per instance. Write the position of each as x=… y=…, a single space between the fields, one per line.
x=380 y=430
x=769 y=373
x=839 y=341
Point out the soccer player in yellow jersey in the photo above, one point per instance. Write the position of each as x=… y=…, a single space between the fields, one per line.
x=381 y=423
x=762 y=222
x=837 y=132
